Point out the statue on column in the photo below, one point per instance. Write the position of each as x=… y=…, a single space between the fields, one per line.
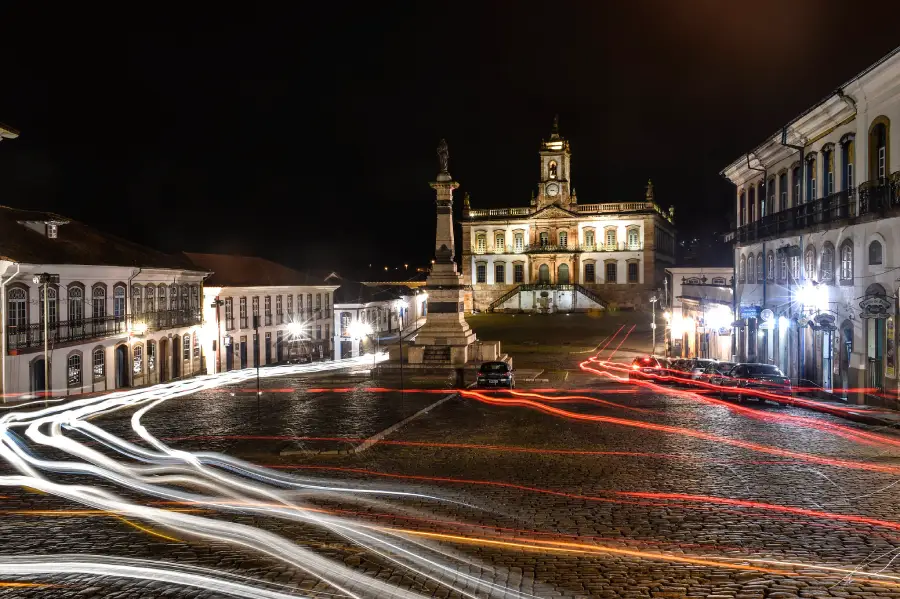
x=443 y=153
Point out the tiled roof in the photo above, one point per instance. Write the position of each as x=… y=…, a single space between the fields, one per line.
x=353 y=292
x=77 y=243
x=250 y=271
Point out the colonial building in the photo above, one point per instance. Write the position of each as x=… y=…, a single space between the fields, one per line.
x=817 y=244
x=116 y=314
x=699 y=312
x=559 y=255
x=292 y=310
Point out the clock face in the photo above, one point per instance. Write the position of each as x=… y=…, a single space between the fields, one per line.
x=552 y=189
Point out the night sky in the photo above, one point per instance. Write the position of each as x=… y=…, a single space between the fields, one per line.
x=308 y=135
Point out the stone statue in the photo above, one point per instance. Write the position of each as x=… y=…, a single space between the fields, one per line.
x=467 y=205
x=443 y=157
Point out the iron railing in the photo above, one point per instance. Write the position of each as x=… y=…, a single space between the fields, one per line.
x=545 y=287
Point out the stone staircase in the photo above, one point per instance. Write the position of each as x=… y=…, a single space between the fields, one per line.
x=436 y=354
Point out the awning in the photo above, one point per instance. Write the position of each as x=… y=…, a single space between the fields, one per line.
x=710 y=294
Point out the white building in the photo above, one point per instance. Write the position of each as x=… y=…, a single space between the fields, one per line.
x=699 y=312
x=293 y=308
x=366 y=314
x=118 y=314
x=817 y=243
x=559 y=255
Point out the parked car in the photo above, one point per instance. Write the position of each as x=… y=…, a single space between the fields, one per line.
x=643 y=366
x=716 y=371
x=697 y=367
x=495 y=374
x=755 y=377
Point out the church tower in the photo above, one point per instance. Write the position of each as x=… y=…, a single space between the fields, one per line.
x=556 y=161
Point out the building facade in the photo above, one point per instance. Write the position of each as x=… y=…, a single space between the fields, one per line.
x=817 y=242
x=559 y=255
x=116 y=314
x=699 y=312
x=292 y=310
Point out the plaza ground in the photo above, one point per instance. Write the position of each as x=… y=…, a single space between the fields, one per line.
x=515 y=475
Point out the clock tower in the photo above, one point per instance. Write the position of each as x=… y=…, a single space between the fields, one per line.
x=556 y=161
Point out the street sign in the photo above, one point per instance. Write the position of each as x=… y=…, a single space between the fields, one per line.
x=875 y=306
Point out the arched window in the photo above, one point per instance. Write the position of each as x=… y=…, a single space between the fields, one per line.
x=346 y=319
x=552 y=169
x=751 y=269
x=137 y=299
x=173 y=297
x=783 y=267
x=770 y=266
x=741 y=269
x=499 y=241
x=76 y=304
x=562 y=274
x=634 y=238
x=17 y=300
x=161 y=298
x=151 y=356
x=119 y=302
x=52 y=308
x=137 y=354
x=848 y=159
x=827 y=265
x=480 y=243
x=847 y=262
x=186 y=346
x=759 y=268
x=879 y=153
x=809 y=263
x=185 y=301
x=544 y=238
x=73 y=370
x=98 y=364
x=544 y=274
x=98 y=303
x=875 y=253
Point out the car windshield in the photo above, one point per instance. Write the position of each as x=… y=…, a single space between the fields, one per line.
x=494 y=367
x=763 y=370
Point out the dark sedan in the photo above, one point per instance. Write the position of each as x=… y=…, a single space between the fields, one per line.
x=745 y=379
x=495 y=374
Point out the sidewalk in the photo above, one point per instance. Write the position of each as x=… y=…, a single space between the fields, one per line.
x=856 y=412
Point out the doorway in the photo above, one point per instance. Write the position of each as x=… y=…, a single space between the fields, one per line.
x=176 y=357
x=279 y=346
x=544 y=274
x=229 y=357
x=562 y=274
x=38 y=378
x=268 y=348
x=243 y=352
x=163 y=360
x=121 y=367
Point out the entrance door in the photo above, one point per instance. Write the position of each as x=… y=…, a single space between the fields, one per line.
x=121 y=367
x=845 y=348
x=229 y=357
x=38 y=380
x=256 y=349
x=243 y=352
x=875 y=353
x=163 y=360
x=268 y=348
x=279 y=346
x=176 y=357
x=562 y=274
x=544 y=274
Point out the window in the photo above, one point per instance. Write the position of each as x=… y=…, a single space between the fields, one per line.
x=268 y=309
x=811 y=179
x=611 y=272
x=563 y=239
x=309 y=305
x=290 y=305
x=782 y=186
x=148 y=299
x=742 y=217
x=770 y=203
x=98 y=307
x=328 y=332
x=589 y=238
x=783 y=268
x=770 y=266
x=300 y=305
x=195 y=297
x=480 y=243
x=243 y=312
x=319 y=305
x=878 y=146
x=186 y=347
x=751 y=204
x=161 y=296
x=795 y=268
x=634 y=238
x=500 y=273
x=481 y=273
x=151 y=355
x=279 y=310
x=229 y=314
x=184 y=298
x=518 y=273
x=137 y=360
x=562 y=274
x=848 y=158
x=552 y=169
x=759 y=268
x=318 y=331
x=761 y=194
x=173 y=297
x=809 y=263
x=544 y=238
x=195 y=342
x=255 y=307
x=519 y=240
x=828 y=166
x=544 y=274
x=611 y=239
x=741 y=269
x=751 y=268
x=795 y=179
x=875 y=253
x=632 y=272
x=499 y=242
x=98 y=359
x=73 y=370
x=327 y=297
x=847 y=261
x=589 y=275
x=137 y=296
x=17 y=300
x=827 y=265
x=76 y=304
x=52 y=308
x=346 y=319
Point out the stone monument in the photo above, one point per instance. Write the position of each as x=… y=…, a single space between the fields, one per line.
x=446 y=337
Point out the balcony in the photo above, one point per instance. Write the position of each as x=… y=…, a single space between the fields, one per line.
x=871 y=198
x=570 y=247
x=31 y=336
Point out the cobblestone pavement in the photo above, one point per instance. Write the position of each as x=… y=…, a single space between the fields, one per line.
x=566 y=488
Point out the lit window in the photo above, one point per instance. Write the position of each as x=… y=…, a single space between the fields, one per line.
x=589 y=239
x=770 y=266
x=99 y=364
x=73 y=374
x=589 y=275
x=186 y=347
x=809 y=265
x=795 y=268
x=76 y=305
x=480 y=244
x=268 y=309
x=610 y=239
x=138 y=359
x=847 y=261
x=500 y=242
x=759 y=268
x=98 y=303
x=544 y=238
x=634 y=239
x=151 y=356
x=827 y=266
x=741 y=269
x=519 y=242
x=563 y=239
x=196 y=345
x=751 y=269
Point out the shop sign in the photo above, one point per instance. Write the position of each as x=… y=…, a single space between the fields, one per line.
x=724 y=331
x=749 y=311
x=875 y=306
x=803 y=321
x=766 y=315
x=890 y=358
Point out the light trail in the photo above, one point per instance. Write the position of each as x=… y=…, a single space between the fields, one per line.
x=612 y=355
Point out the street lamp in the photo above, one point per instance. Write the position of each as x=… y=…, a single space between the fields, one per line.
x=45 y=279
x=653 y=301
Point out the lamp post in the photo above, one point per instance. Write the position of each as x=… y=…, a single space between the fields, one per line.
x=45 y=279
x=653 y=301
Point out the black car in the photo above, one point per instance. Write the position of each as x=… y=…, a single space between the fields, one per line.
x=747 y=378
x=643 y=366
x=495 y=374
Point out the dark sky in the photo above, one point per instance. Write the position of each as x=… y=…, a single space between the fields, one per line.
x=308 y=135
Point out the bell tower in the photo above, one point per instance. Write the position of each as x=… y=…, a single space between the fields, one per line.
x=556 y=164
